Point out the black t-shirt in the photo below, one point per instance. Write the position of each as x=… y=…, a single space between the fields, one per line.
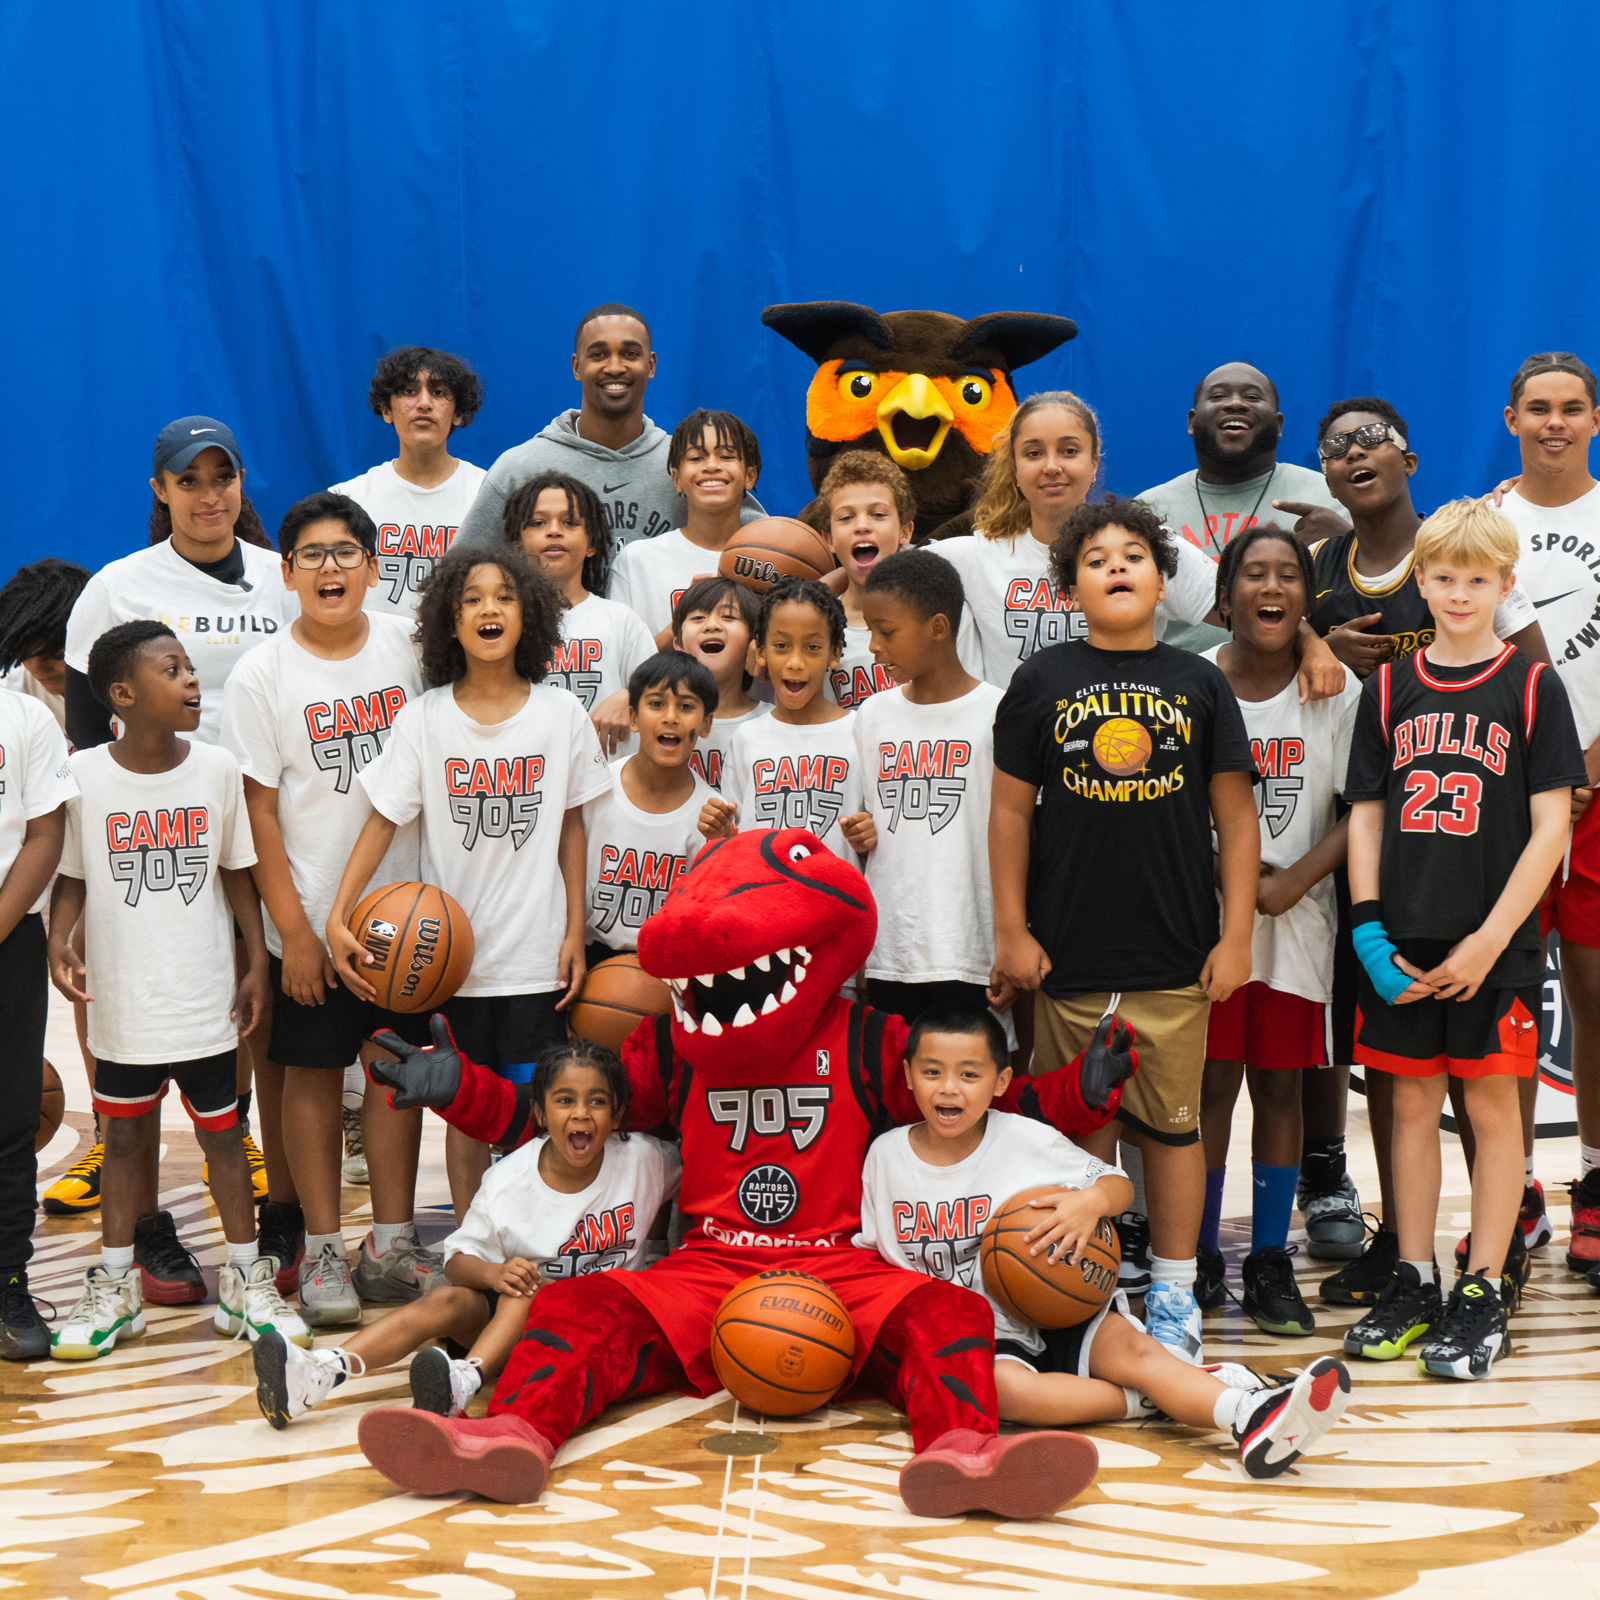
x=1454 y=753
x=1341 y=597
x=1122 y=745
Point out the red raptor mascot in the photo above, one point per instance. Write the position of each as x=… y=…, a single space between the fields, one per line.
x=777 y=1086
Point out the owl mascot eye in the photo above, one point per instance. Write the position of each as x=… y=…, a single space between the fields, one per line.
x=923 y=387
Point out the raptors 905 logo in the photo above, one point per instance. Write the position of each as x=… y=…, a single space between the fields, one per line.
x=493 y=799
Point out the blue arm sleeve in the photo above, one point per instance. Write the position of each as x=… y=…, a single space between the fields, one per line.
x=1376 y=951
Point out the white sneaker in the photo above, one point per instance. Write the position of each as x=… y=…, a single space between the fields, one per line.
x=1172 y=1319
x=1234 y=1376
x=290 y=1381
x=442 y=1385
x=110 y=1308
x=248 y=1303
x=327 y=1295
x=398 y=1276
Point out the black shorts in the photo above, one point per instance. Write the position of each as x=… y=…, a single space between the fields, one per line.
x=1494 y=1034
x=594 y=954
x=1067 y=1349
x=507 y=1033
x=208 y=1088
x=331 y=1035
x=910 y=1000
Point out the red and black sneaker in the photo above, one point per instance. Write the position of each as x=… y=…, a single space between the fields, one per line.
x=1583 y=1247
x=171 y=1276
x=281 y=1232
x=1532 y=1218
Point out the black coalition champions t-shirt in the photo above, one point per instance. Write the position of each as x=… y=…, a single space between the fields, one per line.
x=1122 y=745
x=1454 y=753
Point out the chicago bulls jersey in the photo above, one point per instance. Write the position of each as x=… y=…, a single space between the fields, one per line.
x=1454 y=753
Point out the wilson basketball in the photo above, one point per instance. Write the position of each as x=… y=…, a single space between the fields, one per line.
x=421 y=944
x=765 y=552
x=617 y=995
x=1029 y=1287
x=1122 y=746
x=52 y=1107
x=782 y=1343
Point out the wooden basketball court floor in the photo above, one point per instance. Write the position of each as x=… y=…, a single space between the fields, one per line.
x=150 y=1475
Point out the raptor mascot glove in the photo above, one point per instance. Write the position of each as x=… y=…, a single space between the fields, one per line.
x=777 y=1085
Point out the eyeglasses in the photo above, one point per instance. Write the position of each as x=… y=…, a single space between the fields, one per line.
x=314 y=557
x=1336 y=446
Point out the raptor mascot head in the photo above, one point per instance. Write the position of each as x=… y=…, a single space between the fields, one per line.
x=923 y=387
x=754 y=947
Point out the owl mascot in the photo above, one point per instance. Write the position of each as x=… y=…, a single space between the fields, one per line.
x=926 y=389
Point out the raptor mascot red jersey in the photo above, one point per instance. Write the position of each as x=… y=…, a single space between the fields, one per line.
x=777 y=1086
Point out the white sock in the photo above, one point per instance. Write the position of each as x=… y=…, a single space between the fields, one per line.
x=1588 y=1158
x=119 y=1263
x=1137 y=1409
x=1424 y=1270
x=386 y=1235
x=1132 y=1163
x=1179 y=1273
x=1527 y=1172
x=1229 y=1403
x=243 y=1256
x=317 y=1242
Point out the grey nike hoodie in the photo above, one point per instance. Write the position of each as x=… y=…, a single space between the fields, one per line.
x=632 y=483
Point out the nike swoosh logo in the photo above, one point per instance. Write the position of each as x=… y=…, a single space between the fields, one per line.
x=202 y=430
x=1552 y=600
x=611 y=488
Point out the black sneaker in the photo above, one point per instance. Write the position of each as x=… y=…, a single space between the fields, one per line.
x=1210 y=1280
x=171 y=1275
x=1272 y=1299
x=1471 y=1335
x=23 y=1334
x=281 y=1232
x=1133 y=1273
x=1513 y=1273
x=1365 y=1279
x=1407 y=1309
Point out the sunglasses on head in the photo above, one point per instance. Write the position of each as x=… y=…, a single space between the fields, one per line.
x=1335 y=446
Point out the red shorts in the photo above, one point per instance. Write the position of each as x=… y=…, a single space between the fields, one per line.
x=1572 y=906
x=683 y=1290
x=1268 y=1030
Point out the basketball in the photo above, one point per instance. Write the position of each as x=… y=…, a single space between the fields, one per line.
x=421 y=943
x=1122 y=746
x=52 y=1107
x=766 y=552
x=782 y=1343
x=617 y=995
x=1029 y=1287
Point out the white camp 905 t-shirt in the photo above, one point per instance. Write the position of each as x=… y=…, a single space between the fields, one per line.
x=35 y=775
x=603 y=1228
x=215 y=622
x=307 y=727
x=782 y=775
x=651 y=575
x=491 y=799
x=635 y=857
x=857 y=676
x=157 y=924
x=930 y=1219
x=926 y=776
x=602 y=642
x=711 y=751
x=415 y=527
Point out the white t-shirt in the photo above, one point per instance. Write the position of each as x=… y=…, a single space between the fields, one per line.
x=306 y=727
x=20 y=681
x=1560 y=570
x=651 y=575
x=491 y=799
x=711 y=752
x=930 y=1219
x=926 y=774
x=635 y=857
x=215 y=622
x=415 y=527
x=781 y=775
x=158 y=927
x=603 y=641
x=603 y=1228
x=858 y=675
x=35 y=776
x=1301 y=753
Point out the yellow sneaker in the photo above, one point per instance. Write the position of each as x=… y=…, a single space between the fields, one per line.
x=258 y=1169
x=78 y=1188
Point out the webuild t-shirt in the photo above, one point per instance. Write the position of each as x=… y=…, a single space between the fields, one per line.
x=35 y=776
x=415 y=527
x=308 y=727
x=1122 y=745
x=491 y=798
x=783 y=775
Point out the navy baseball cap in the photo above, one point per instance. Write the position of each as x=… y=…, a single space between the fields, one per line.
x=180 y=442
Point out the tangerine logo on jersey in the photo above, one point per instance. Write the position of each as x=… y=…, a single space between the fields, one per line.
x=601 y=1242
x=159 y=850
x=494 y=799
x=920 y=782
x=1038 y=616
x=633 y=885
x=1433 y=733
x=575 y=667
x=799 y=792
x=852 y=685
x=347 y=735
x=406 y=555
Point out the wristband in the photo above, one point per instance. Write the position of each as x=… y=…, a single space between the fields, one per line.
x=1376 y=952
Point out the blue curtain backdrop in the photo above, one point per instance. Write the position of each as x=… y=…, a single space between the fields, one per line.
x=236 y=208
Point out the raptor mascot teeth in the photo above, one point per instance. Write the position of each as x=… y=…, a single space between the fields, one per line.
x=777 y=1085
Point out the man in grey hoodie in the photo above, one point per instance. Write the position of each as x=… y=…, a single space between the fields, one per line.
x=607 y=443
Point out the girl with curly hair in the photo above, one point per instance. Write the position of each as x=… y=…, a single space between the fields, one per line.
x=497 y=764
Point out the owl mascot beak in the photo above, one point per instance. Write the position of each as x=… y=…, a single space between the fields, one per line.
x=913 y=420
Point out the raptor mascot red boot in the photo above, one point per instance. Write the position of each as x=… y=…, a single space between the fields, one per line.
x=777 y=1085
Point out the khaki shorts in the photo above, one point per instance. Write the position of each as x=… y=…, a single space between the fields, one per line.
x=1162 y=1099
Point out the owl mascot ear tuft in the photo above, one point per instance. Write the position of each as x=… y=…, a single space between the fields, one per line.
x=815 y=326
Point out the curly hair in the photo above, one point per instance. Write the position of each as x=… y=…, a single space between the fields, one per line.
x=1088 y=520
x=583 y=505
x=927 y=583
x=1233 y=555
x=583 y=1053
x=727 y=429
x=439 y=609
x=1001 y=511
x=248 y=527
x=398 y=370
x=1363 y=402
x=867 y=466
x=804 y=592
x=34 y=607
